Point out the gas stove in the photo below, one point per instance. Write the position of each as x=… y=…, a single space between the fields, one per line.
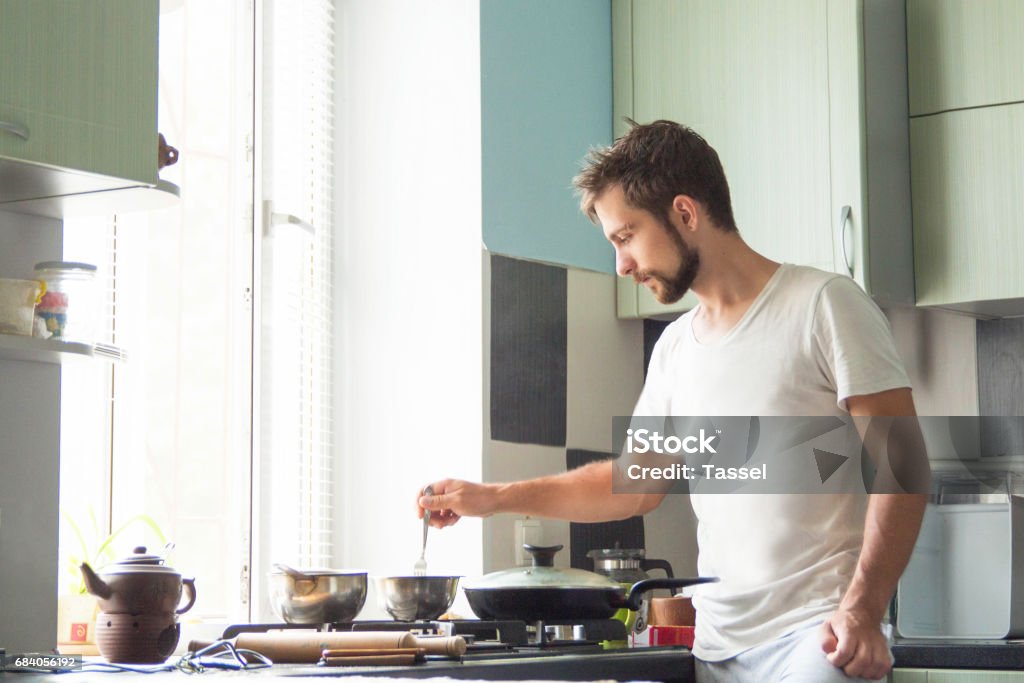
x=484 y=638
x=508 y=651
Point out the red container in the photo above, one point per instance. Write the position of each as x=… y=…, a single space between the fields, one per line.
x=671 y=635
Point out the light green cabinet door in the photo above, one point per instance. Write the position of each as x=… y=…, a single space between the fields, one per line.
x=955 y=676
x=715 y=66
x=967 y=177
x=78 y=95
x=964 y=53
x=780 y=90
x=908 y=676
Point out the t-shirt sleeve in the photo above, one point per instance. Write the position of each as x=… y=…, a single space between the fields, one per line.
x=854 y=342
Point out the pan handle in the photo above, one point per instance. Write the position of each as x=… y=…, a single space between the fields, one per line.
x=663 y=565
x=636 y=592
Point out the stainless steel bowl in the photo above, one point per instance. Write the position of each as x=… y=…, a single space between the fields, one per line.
x=408 y=598
x=320 y=597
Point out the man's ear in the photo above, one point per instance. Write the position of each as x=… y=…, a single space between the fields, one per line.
x=684 y=206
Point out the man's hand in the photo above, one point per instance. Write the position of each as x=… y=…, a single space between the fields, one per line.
x=453 y=499
x=854 y=643
x=583 y=494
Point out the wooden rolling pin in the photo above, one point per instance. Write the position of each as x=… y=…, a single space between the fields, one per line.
x=371 y=660
x=306 y=647
x=450 y=646
x=384 y=657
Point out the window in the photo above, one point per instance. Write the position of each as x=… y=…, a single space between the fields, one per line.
x=217 y=433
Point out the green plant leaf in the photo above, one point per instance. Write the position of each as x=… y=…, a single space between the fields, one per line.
x=99 y=547
x=105 y=546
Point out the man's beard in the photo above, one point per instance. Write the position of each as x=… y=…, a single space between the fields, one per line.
x=673 y=287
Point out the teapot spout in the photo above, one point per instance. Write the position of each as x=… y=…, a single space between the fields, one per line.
x=94 y=584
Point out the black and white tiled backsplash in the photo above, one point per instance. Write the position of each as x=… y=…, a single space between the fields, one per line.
x=529 y=317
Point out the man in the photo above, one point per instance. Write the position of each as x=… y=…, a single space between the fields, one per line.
x=805 y=579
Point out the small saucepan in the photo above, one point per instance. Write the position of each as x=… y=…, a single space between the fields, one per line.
x=410 y=598
x=543 y=593
x=316 y=596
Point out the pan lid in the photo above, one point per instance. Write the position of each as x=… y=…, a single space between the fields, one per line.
x=543 y=574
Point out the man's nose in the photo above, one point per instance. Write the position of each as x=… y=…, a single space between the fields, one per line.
x=624 y=264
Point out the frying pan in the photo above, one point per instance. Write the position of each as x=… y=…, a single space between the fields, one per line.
x=543 y=593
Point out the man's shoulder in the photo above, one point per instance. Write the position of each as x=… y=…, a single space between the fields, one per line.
x=810 y=278
x=810 y=285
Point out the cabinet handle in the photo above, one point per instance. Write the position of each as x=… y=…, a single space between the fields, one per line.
x=16 y=128
x=844 y=236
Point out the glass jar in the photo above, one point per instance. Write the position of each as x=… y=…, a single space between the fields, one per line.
x=69 y=309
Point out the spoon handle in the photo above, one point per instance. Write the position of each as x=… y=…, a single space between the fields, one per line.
x=427 y=491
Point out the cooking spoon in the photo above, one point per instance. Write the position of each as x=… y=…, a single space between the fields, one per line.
x=420 y=568
x=293 y=572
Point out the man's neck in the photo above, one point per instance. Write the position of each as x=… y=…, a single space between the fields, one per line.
x=731 y=277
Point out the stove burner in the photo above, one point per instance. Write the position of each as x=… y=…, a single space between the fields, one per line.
x=481 y=635
x=586 y=631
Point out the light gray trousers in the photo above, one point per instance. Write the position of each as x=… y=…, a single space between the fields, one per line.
x=794 y=658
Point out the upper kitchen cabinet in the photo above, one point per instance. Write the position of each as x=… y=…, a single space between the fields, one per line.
x=806 y=103
x=967 y=180
x=967 y=141
x=545 y=99
x=964 y=54
x=78 y=101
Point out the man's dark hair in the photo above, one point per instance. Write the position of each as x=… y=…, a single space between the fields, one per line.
x=653 y=163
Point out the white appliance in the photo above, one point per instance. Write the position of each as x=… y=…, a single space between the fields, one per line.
x=965 y=578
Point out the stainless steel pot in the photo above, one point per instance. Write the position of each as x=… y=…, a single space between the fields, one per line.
x=317 y=596
x=408 y=598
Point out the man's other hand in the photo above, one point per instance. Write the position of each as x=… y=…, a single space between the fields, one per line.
x=855 y=644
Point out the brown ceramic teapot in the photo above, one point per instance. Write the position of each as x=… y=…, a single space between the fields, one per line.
x=139 y=584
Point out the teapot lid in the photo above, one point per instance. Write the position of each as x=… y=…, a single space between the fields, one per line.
x=140 y=562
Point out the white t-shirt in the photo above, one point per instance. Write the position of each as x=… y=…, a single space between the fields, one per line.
x=809 y=341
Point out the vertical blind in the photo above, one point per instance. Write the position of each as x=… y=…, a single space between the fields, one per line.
x=296 y=333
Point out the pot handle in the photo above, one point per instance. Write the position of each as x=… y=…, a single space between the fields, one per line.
x=190 y=589
x=543 y=555
x=663 y=565
x=636 y=592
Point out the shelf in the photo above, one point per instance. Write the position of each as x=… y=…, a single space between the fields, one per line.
x=14 y=347
x=119 y=200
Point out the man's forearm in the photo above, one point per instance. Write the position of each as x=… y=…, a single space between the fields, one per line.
x=890 y=531
x=580 y=495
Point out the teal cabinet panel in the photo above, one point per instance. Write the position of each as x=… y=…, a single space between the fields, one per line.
x=545 y=101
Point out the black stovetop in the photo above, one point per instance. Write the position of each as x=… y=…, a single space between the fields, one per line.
x=485 y=638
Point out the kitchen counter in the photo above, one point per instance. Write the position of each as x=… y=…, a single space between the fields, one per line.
x=668 y=664
x=921 y=653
